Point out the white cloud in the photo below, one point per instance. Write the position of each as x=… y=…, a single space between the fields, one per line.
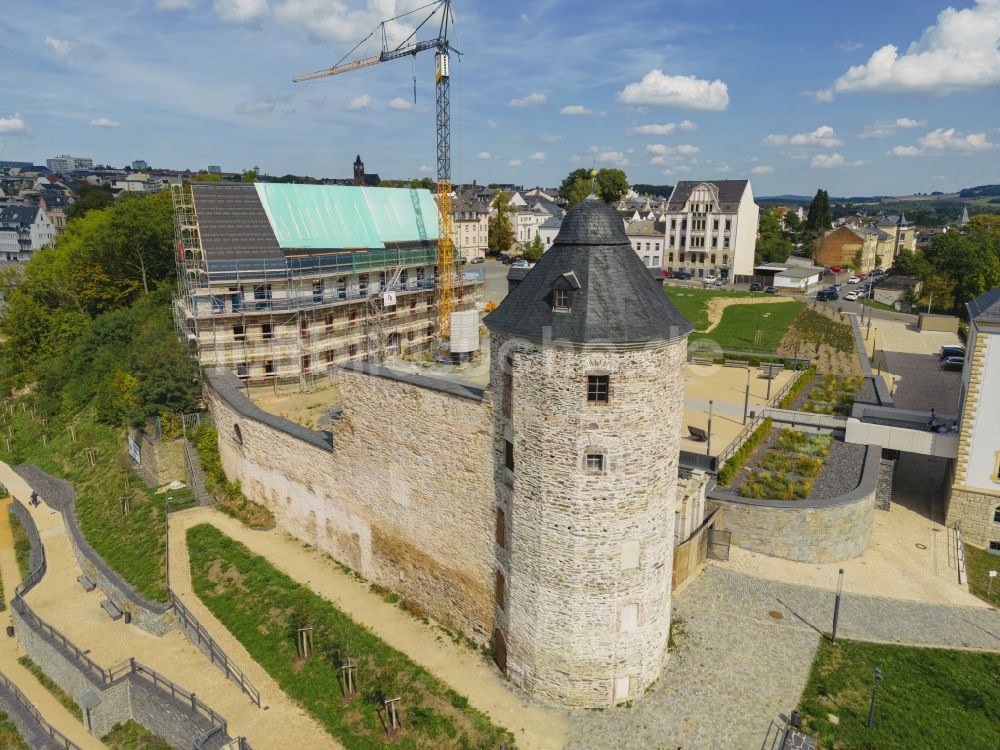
x=723 y=169
x=514 y=163
x=13 y=125
x=424 y=168
x=359 y=102
x=831 y=161
x=821 y=137
x=61 y=47
x=261 y=106
x=678 y=170
x=885 y=128
x=850 y=46
x=684 y=92
x=575 y=109
x=949 y=140
x=537 y=156
x=527 y=101
x=664 y=129
x=174 y=4
x=524 y=18
x=551 y=137
x=762 y=169
x=400 y=103
x=104 y=122
x=960 y=52
x=904 y=151
x=607 y=156
x=822 y=96
x=240 y=11
x=687 y=125
x=684 y=149
x=483 y=155
x=491 y=123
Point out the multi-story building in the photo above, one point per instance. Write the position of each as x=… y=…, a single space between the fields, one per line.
x=140 y=165
x=31 y=227
x=470 y=222
x=66 y=163
x=845 y=247
x=711 y=228
x=975 y=491
x=903 y=236
x=280 y=282
x=648 y=238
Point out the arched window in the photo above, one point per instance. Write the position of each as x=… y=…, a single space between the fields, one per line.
x=238 y=433
x=500 y=650
x=500 y=593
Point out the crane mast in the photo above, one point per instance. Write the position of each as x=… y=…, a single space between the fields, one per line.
x=410 y=47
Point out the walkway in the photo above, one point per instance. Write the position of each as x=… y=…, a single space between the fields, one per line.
x=63 y=603
x=10 y=650
x=462 y=669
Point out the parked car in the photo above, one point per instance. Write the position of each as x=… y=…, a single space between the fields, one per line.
x=835 y=269
x=826 y=295
x=756 y=287
x=710 y=279
x=952 y=350
x=685 y=275
x=503 y=258
x=478 y=259
x=771 y=290
x=953 y=363
x=878 y=272
x=721 y=281
x=854 y=280
x=836 y=287
x=521 y=263
x=852 y=296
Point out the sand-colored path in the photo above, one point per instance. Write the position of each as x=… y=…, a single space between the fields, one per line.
x=10 y=650
x=63 y=603
x=717 y=305
x=457 y=666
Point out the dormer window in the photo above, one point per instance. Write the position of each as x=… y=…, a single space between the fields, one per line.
x=561 y=303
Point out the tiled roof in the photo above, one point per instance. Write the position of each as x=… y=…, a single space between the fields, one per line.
x=22 y=215
x=985 y=307
x=730 y=193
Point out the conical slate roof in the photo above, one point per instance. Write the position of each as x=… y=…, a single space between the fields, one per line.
x=613 y=297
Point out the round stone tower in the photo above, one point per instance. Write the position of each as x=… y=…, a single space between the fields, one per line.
x=588 y=392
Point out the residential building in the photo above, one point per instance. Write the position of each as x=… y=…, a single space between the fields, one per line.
x=712 y=228
x=548 y=230
x=470 y=225
x=213 y=169
x=975 y=490
x=140 y=165
x=894 y=291
x=860 y=249
x=926 y=235
x=24 y=165
x=32 y=227
x=280 y=282
x=903 y=234
x=56 y=205
x=648 y=238
x=65 y=163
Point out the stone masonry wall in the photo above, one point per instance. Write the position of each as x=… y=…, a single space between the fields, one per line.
x=976 y=511
x=588 y=555
x=162 y=460
x=404 y=498
x=883 y=490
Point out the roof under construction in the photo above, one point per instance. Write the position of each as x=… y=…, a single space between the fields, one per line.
x=271 y=221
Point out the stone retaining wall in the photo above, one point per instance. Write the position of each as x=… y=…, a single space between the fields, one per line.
x=400 y=491
x=883 y=490
x=807 y=530
x=162 y=461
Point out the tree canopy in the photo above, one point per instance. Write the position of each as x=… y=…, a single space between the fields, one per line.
x=771 y=247
x=501 y=230
x=608 y=184
x=820 y=217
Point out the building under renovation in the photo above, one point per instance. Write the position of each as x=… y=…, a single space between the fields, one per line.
x=279 y=282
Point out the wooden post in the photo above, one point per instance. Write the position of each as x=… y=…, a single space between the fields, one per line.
x=45 y=439
x=350 y=682
x=72 y=433
x=6 y=442
x=45 y=422
x=126 y=502
x=390 y=709
x=305 y=643
x=92 y=457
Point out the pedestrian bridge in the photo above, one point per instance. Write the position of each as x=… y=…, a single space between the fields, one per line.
x=901 y=430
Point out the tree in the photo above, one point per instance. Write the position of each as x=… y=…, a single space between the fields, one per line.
x=249 y=175
x=792 y=221
x=608 y=184
x=206 y=177
x=500 y=229
x=612 y=184
x=771 y=247
x=534 y=250
x=820 y=218
x=91 y=198
x=576 y=186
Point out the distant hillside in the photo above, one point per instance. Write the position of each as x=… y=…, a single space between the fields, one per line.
x=662 y=191
x=807 y=199
x=982 y=191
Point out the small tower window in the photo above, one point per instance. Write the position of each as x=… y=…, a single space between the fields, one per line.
x=508 y=454
x=594 y=463
x=561 y=303
x=996 y=515
x=597 y=389
x=501 y=529
x=500 y=593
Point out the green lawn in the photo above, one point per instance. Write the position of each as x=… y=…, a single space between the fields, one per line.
x=693 y=303
x=978 y=564
x=928 y=698
x=815 y=328
x=263 y=608
x=134 y=545
x=22 y=547
x=738 y=327
x=132 y=735
x=10 y=738
x=57 y=692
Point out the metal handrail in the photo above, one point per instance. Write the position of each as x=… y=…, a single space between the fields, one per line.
x=51 y=731
x=89 y=665
x=960 y=552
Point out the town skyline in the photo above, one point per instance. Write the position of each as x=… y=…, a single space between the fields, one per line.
x=714 y=92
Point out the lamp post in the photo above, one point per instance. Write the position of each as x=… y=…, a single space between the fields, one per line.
x=836 y=606
x=708 y=447
x=746 y=398
x=871 y=708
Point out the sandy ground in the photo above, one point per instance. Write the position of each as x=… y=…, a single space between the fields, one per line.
x=310 y=409
x=911 y=555
x=717 y=305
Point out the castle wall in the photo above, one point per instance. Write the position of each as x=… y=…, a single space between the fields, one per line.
x=587 y=556
x=404 y=497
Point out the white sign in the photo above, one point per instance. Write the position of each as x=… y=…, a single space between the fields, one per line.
x=389 y=299
x=993 y=574
x=133 y=451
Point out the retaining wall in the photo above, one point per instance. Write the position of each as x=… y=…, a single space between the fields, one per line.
x=162 y=461
x=806 y=530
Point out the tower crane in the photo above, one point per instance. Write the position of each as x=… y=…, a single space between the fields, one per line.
x=410 y=46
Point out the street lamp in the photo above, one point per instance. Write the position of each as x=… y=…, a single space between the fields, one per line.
x=871 y=708
x=708 y=447
x=836 y=606
x=746 y=398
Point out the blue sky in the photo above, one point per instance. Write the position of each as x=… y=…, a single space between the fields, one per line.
x=794 y=95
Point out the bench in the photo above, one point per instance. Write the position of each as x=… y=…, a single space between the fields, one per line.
x=87 y=584
x=698 y=434
x=702 y=361
x=112 y=609
x=771 y=371
x=735 y=363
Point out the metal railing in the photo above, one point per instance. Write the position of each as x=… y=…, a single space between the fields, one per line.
x=959 y=552
x=162 y=683
x=34 y=576
x=202 y=638
x=84 y=662
x=737 y=443
x=50 y=730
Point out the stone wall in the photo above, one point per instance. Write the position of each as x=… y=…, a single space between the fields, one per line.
x=883 y=489
x=807 y=530
x=400 y=491
x=162 y=461
x=587 y=557
x=976 y=511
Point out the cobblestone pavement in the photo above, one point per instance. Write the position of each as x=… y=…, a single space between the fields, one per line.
x=739 y=667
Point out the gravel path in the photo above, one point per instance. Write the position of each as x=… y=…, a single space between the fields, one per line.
x=841 y=470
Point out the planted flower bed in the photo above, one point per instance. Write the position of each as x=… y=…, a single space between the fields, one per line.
x=833 y=394
x=788 y=468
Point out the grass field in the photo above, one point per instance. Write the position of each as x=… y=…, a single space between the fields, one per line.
x=978 y=564
x=263 y=608
x=10 y=738
x=928 y=698
x=738 y=327
x=57 y=692
x=22 y=546
x=132 y=735
x=692 y=303
x=134 y=545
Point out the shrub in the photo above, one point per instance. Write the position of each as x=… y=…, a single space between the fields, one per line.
x=736 y=461
x=231 y=499
x=804 y=378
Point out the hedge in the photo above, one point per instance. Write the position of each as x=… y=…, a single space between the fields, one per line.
x=735 y=462
x=803 y=380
